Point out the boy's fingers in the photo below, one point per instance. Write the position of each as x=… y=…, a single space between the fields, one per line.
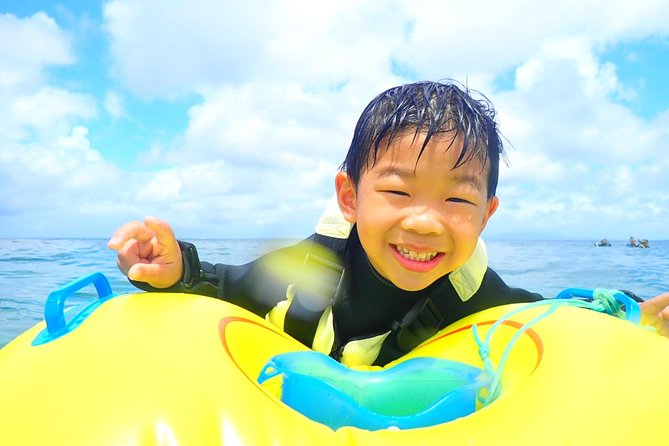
x=161 y=229
x=139 y=272
x=128 y=255
x=155 y=274
x=132 y=230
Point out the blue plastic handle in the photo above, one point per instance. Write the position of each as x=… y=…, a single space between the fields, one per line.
x=570 y=293
x=632 y=310
x=54 y=310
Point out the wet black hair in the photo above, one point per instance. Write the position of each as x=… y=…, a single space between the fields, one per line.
x=428 y=108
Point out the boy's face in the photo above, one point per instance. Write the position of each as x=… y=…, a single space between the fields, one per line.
x=418 y=222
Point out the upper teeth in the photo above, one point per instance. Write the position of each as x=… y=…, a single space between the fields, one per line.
x=416 y=256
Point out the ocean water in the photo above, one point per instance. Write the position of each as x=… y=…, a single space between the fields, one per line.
x=31 y=268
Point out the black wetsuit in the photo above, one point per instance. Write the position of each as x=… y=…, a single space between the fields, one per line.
x=369 y=305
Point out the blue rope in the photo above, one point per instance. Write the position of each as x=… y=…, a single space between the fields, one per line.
x=604 y=301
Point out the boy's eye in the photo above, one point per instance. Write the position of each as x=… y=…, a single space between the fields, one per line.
x=458 y=200
x=396 y=192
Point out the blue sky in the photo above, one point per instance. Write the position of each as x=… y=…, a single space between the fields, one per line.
x=230 y=119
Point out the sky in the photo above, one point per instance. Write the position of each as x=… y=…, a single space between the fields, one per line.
x=230 y=119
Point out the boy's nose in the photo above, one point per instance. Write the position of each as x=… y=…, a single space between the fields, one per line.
x=423 y=220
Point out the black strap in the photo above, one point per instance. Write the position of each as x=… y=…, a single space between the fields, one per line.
x=321 y=281
x=421 y=322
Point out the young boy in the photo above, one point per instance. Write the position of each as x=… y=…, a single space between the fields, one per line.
x=400 y=256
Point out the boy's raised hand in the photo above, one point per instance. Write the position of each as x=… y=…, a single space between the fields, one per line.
x=148 y=252
x=655 y=313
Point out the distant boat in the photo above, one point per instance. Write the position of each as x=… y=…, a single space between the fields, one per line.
x=638 y=244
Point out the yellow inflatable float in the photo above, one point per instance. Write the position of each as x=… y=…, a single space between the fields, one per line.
x=177 y=369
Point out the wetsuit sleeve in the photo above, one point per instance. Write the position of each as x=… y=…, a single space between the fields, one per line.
x=257 y=286
x=494 y=291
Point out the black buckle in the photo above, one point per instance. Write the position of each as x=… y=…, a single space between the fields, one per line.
x=420 y=323
x=191 y=264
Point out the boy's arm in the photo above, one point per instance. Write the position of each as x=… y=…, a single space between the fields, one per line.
x=655 y=313
x=153 y=259
x=494 y=291
x=257 y=286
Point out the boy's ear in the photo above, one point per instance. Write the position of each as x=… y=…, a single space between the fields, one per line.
x=492 y=205
x=346 y=196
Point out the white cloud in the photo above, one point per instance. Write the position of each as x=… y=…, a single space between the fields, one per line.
x=54 y=175
x=280 y=83
x=28 y=47
x=579 y=154
x=113 y=103
x=170 y=48
x=44 y=110
x=46 y=161
x=31 y=108
x=268 y=125
x=484 y=38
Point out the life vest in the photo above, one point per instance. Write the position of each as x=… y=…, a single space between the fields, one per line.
x=307 y=315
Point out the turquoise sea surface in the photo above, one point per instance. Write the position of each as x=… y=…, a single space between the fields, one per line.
x=31 y=268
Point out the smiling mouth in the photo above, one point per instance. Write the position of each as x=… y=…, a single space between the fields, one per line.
x=416 y=256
